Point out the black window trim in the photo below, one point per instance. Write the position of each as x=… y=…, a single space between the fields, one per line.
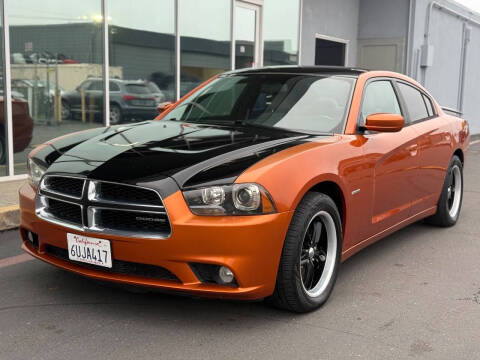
x=117 y=85
x=95 y=82
x=360 y=128
x=410 y=122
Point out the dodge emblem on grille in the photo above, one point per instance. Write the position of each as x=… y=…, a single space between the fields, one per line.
x=144 y=218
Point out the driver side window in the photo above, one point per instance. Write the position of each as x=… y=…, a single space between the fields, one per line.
x=379 y=98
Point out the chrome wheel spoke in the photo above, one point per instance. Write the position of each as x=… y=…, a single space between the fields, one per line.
x=320 y=255
x=317 y=233
x=309 y=275
x=304 y=258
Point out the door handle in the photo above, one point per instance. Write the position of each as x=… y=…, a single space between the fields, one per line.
x=413 y=149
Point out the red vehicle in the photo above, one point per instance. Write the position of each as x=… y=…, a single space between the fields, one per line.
x=22 y=127
x=255 y=185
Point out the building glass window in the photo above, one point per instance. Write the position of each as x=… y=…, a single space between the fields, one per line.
x=141 y=58
x=205 y=40
x=3 y=115
x=246 y=36
x=280 y=32
x=56 y=46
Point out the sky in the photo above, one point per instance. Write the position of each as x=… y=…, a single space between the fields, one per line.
x=208 y=18
x=472 y=4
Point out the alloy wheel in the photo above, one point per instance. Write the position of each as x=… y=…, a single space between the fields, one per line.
x=317 y=258
x=454 y=191
x=115 y=115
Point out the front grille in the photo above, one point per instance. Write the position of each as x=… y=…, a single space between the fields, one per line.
x=62 y=185
x=127 y=194
x=65 y=211
x=133 y=221
x=119 y=266
x=107 y=208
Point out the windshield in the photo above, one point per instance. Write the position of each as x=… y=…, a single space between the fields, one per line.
x=307 y=103
x=137 y=89
x=152 y=87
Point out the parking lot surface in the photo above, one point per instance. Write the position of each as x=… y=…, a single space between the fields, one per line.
x=414 y=294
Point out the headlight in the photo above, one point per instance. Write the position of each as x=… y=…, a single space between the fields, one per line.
x=236 y=199
x=35 y=173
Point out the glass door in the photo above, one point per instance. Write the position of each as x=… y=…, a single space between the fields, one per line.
x=247 y=35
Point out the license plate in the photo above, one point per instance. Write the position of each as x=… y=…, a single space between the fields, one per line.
x=89 y=250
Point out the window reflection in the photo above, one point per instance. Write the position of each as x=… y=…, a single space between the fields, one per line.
x=56 y=49
x=3 y=134
x=245 y=37
x=205 y=40
x=142 y=58
x=280 y=32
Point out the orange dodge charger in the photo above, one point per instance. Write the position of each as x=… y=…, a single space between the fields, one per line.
x=257 y=184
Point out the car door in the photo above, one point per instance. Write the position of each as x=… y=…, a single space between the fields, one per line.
x=75 y=97
x=392 y=159
x=94 y=96
x=433 y=141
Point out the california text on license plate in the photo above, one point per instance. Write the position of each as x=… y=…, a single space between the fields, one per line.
x=89 y=250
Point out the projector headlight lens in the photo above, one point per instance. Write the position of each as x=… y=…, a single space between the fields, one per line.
x=236 y=199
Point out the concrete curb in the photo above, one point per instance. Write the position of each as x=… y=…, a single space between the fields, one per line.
x=9 y=217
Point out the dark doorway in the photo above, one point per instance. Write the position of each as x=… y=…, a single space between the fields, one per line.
x=329 y=52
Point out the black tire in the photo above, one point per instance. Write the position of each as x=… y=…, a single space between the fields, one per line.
x=115 y=114
x=444 y=216
x=290 y=291
x=3 y=149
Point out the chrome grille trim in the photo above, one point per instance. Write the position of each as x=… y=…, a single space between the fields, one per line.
x=94 y=213
x=45 y=187
x=94 y=195
x=41 y=209
x=91 y=204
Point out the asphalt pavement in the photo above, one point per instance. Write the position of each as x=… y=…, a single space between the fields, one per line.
x=412 y=295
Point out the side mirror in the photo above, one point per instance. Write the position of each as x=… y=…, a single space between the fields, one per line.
x=384 y=122
x=164 y=106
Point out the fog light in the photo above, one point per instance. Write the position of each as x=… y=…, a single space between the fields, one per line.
x=225 y=274
x=31 y=237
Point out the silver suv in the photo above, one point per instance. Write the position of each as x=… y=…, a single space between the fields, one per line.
x=129 y=100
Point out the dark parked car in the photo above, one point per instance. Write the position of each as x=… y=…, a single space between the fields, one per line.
x=22 y=127
x=128 y=100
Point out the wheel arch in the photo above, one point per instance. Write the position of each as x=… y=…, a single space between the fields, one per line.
x=333 y=190
x=459 y=153
x=116 y=103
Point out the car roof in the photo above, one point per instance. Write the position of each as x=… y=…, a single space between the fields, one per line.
x=295 y=69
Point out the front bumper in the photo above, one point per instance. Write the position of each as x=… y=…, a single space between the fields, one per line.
x=250 y=246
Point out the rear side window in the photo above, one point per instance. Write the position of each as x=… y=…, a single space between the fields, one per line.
x=137 y=89
x=414 y=101
x=114 y=86
x=96 y=85
x=379 y=98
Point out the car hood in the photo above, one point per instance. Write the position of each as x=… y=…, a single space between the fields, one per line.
x=191 y=154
